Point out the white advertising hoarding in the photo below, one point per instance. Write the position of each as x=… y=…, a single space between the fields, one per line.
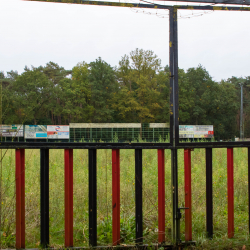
x=58 y=132
x=14 y=130
x=36 y=131
x=196 y=131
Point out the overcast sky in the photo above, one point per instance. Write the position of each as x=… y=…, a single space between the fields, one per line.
x=34 y=33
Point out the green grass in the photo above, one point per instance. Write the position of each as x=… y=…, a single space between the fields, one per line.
x=104 y=202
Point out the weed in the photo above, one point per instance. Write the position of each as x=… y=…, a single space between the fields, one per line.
x=104 y=200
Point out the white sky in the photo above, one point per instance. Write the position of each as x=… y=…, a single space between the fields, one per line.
x=34 y=33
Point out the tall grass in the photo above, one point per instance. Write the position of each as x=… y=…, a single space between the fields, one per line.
x=104 y=193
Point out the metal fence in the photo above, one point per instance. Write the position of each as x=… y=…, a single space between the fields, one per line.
x=119 y=132
x=174 y=145
x=92 y=183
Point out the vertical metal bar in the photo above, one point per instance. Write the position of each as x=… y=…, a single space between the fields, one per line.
x=92 y=198
x=188 y=195
x=176 y=85
x=209 y=193
x=138 y=195
x=174 y=120
x=241 y=112
x=20 y=198
x=68 y=196
x=171 y=68
x=116 y=196
x=249 y=189
x=230 y=191
x=174 y=191
x=44 y=200
x=161 y=196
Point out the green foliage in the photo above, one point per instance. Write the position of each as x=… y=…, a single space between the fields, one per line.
x=33 y=92
x=76 y=95
x=103 y=85
x=203 y=101
x=138 y=98
x=135 y=91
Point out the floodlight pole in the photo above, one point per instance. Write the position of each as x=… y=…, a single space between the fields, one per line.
x=241 y=112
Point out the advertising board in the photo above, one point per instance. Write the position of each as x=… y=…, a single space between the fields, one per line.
x=36 y=131
x=58 y=132
x=196 y=131
x=14 y=130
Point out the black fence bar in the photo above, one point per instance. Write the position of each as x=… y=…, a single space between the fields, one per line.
x=44 y=200
x=214 y=144
x=92 y=198
x=174 y=192
x=138 y=196
x=148 y=145
x=83 y=145
x=209 y=193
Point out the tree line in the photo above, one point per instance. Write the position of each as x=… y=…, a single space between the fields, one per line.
x=137 y=90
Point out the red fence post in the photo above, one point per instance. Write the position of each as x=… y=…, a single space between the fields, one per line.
x=20 y=198
x=68 y=196
x=188 y=195
x=161 y=196
x=116 y=196
x=230 y=191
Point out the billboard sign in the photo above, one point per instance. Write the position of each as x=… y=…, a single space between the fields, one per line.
x=58 y=132
x=14 y=130
x=36 y=131
x=196 y=131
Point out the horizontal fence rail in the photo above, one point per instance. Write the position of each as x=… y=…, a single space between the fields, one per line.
x=113 y=145
x=92 y=166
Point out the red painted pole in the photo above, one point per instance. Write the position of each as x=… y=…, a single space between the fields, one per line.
x=68 y=196
x=161 y=196
x=20 y=198
x=230 y=191
x=116 y=196
x=188 y=195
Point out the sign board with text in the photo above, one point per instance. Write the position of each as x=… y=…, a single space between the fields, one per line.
x=36 y=131
x=14 y=130
x=196 y=131
x=58 y=132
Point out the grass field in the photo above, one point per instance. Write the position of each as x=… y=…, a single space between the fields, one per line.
x=150 y=220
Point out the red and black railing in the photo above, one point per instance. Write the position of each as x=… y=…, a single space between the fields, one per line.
x=92 y=165
x=174 y=145
x=209 y=192
x=68 y=191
